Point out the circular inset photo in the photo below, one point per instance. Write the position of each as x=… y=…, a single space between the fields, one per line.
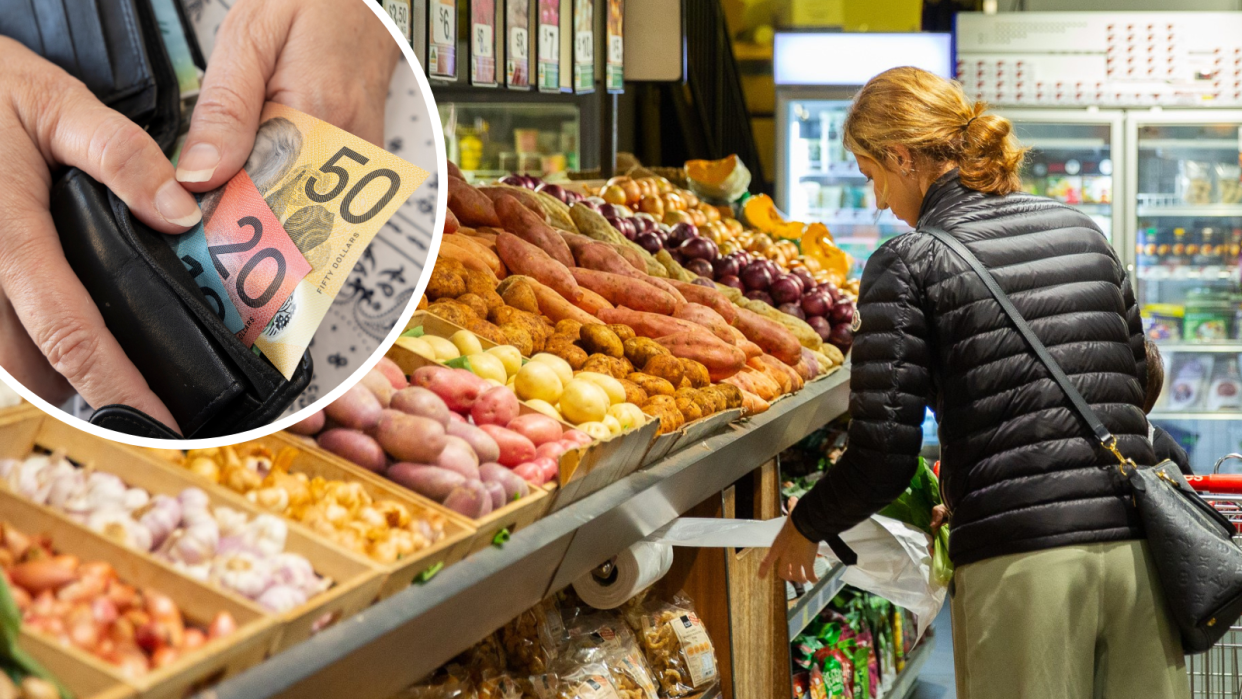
x=219 y=237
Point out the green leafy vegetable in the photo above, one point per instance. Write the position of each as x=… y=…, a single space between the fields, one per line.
x=914 y=507
x=416 y=331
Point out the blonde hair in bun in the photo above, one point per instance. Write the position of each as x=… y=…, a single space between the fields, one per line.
x=933 y=118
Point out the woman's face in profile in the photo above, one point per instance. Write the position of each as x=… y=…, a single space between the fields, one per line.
x=893 y=190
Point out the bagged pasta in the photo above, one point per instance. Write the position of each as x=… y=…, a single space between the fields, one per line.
x=675 y=643
x=498 y=685
x=605 y=638
x=587 y=682
x=451 y=682
x=530 y=640
x=485 y=657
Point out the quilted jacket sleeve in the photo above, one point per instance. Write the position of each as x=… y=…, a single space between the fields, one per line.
x=1135 y=321
x=890 y=384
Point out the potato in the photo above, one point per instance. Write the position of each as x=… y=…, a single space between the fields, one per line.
x=445 y=284
x=416 y=400
x=695 y=372
x=624 y=332
x=611 y=423
x=488 y=367
x=633 y=392
x=689 y=409
x=459 y=457
x=627 y=415
x=665 y=366
x=417 y=345
x=497 y=491
x=378 y=385
x=514 y=448
x=599 y=339
x=583 y=401
x=653 y=385
x=487 y=331
x=515 y=487
x=357 y=408
x=509 y=356
x=531 y=472
x=444 y=349
x=519 y=338
x=563 y=346
x=309 y=425
x=395 y=375
x=466 y=342
x=640 y=349
x=544 y=407
x=481 y=442
x=564 y=372
x=603 y=364
x=497 y=406
x=731 y=393
x=426 y=480
x=483 y=285
x=569 y=326
x=410 y=437
x=458 y=388
x=354 y=446
x=539 y=429
x=597 y=430
x=472 y=500
x=521 y=296
x=611 y=386
x=453 y=311
x=475 y=302
x=538 y=381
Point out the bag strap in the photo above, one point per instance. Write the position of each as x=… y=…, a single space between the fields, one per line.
x=1084 y=410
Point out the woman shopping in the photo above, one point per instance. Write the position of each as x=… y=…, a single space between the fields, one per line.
x=1055 y=592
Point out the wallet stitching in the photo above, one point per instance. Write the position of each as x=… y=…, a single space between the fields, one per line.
x=132 y=421
x=219 y=397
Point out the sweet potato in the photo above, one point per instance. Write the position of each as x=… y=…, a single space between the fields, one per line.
x=488 y=256
x=625 y=291
x=455 y=171
x=706 y=317
x=590 y=301
x=652 y=324
x=602 y=258
x=721 y=360
x=467 y=258
x=794 y=325
x=781 y=379
x=708 y=297
x=777 y=367
x=527 y=225
x=770 y=335
x=753 y=404
x=523 y=258
x=664 y=284
x=470 y=205
x=524 y=196
x=557 y=211
x=451 y=224
x=556 y=308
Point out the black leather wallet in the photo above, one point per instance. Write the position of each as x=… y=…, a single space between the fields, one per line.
x=208 y=379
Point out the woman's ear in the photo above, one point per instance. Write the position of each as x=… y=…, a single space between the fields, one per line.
x=902 y=159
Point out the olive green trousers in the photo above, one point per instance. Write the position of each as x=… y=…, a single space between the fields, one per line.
x=1077 y=622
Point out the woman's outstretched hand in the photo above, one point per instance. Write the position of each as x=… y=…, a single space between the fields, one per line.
x=792 y=556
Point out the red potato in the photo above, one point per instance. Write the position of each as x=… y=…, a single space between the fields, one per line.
x=455 y=171
x=770 y=335
x=721 y=360
x=556 y=308
x=551 y=467
x=378 y=384
x=552 y=450
x=481 y=442
x=309 y=426
x=410 y=437
x=525 y=224
x=395 y=375
x=524 y=196
x=531 y=473
x=515 y=487
x=514 y=448
x=470 y=205
x=520 y=257
x=471 y=500
x=497 y=491
x=590 y=301
x=625 y=291
x=708 y=297
x=458 y=457
x=417 y=400
x=653 y=325
x=578 y=436
x=539 y=429
x=354 y=446
x=458 y=388
x=706 y=317
x=357 y=408
x=429 y=481
x=451 y=224
x=497 y=406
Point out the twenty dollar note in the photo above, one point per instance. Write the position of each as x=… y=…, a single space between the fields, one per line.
x=331 y=191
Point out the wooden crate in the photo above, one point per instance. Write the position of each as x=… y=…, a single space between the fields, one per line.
x=86 y=681
x=459 y=531
x=249 y=645
x=356 y=580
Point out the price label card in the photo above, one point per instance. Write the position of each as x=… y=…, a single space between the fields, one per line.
x=519 y=44
x=517 y=57
x=442 y=52
x=483 y=42
x=399 y=10
x=549 y=56
x=483 y=39
x=614 y=75
x=584 y=46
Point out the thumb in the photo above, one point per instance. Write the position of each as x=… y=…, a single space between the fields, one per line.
x=226 y=115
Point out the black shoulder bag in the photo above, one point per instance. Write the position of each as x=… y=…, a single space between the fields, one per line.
x=1199 y=565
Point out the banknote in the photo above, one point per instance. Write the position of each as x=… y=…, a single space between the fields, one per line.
x=178 y=47
x=331 y=191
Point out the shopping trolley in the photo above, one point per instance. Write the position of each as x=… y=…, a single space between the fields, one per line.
x=1217 y=674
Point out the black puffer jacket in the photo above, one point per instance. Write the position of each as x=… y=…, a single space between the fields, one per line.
x=1020 y=471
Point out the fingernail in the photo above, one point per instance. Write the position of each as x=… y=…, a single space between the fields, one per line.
x=198 y=163
x=176 y=205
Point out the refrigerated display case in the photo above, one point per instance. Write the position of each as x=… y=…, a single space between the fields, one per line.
x=816 y=76
x=1184 y=175
x=1073 y=159
x=489 y=140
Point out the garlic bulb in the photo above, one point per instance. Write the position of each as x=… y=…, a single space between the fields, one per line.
x=279 y=598
x=267 y=533
x=244 y=573
x=197 y=542
x=232 y=522
x=161 y=517
x=116 y=524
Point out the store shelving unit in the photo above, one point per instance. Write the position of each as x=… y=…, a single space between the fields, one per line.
x=809 y=605
x=909 y=676
x=395 y=643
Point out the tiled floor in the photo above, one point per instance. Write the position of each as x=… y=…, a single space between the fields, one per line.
x=936 y=678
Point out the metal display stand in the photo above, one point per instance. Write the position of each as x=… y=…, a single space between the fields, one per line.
x=397 y=642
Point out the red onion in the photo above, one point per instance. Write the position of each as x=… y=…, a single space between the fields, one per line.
x=792 y=309
x=699 y=248
x=756 y=276
x=808 y=282
x=842 y=312
x=682 y=232
x=822 y=327
x=816 y=303
x=732 y=281
x=726 y=266
x=757 y=295
x=786 y=289
x=701 y=267
x=513 y=180
x=554 y=190
x=842 y=337
x=649 y=242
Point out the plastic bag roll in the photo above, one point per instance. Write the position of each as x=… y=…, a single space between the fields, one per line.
x=636 y=569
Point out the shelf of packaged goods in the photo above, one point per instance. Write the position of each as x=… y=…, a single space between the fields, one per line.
x=1162 y=273
x=1066 y=143
x=903 y=686
x=809 y=605
x=1224 y=347
x=426 y=625
x=1191 y=415
x=1191 y=211
x=1185 y=143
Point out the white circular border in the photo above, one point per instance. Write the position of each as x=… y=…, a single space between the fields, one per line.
x=441 y=174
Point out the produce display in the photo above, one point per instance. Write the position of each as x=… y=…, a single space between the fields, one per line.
x=563 y=649
x=853 y=650
x=31 y=687
x=342 y=512
x=85 y=604
x=219 y=545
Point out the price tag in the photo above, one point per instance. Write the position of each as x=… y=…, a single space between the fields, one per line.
x=549 y=42
x=584 y=47
x=399 y=10
x=616 y=50
x=483 y=42
x=519 y=38
x=444 y=24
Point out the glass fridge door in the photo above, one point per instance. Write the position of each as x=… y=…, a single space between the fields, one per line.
x=491 y=139
x=1187 y=185
x=820 y=180
x=1072 y=159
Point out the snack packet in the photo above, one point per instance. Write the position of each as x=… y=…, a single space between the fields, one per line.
x=604 y=638
x=676 y=644
x=587 y=682
x=530 y=640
